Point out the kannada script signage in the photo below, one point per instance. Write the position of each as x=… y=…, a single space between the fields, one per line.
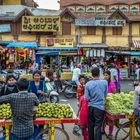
x=41 y=23
x=5 y=28
x=60 y=42
x=100 y=22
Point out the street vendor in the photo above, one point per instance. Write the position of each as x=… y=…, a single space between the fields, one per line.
x=38 y=86
x=22 y=105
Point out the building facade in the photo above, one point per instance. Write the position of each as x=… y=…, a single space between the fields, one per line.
x=99 y=32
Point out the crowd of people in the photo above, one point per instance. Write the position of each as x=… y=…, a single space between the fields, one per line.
x=23 y=95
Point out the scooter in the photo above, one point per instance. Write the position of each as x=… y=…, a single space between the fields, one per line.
x=53 y=95
x=70 y=89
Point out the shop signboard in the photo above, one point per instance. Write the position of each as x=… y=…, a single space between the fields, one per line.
x=100 y=22
x=5 y=28
x=60 y=42
x=41 y=23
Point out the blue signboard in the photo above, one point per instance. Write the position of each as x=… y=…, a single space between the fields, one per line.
x=5 y=28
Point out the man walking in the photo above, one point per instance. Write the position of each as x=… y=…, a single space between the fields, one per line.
x=95 y=92
x=22 y=106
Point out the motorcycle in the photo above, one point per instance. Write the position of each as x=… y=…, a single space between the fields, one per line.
x=53 y=95
x=70 y=89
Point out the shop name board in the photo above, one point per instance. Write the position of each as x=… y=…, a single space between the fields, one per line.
x=60 y=42
x=100 y=22
x=5 y=28
x=41 y=23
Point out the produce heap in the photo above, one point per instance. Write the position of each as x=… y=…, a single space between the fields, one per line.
x=44 y=110
x=119 y=103
x=54 y=111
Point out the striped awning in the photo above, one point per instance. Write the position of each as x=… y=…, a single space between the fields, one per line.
x=136 y=44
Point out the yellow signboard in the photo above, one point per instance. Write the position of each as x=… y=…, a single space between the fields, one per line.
x=60 y=42
x=41 y=23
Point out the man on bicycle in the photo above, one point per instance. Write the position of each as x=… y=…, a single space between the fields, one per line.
x=22 y=106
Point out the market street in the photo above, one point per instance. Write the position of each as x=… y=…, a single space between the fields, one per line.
x=126 y=87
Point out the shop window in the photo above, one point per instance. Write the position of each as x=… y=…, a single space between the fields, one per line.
x=124 y=9
x=134 y=10
x=91 y=30
x=66 y=28
x=117 y=31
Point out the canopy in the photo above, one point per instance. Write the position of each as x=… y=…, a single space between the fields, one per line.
x=4 y=42
x=50 y=53
x=131 y=53
x=97 y=46
x=55 y=49
x=30 y=45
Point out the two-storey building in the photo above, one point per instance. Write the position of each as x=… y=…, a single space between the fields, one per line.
x=108 y=28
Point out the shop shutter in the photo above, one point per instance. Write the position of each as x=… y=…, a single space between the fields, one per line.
x=91 y=30
x=66 y=28
x=117 y=31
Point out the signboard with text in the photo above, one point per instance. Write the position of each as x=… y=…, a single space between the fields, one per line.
x=5 y=28
x=60 y=42
x=100 y=22
x=41 y=23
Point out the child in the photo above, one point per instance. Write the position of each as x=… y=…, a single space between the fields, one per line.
x=83 y=110
x=80 y=88
x=10 y=86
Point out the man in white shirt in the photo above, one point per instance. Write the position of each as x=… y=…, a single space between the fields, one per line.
x=76 y=74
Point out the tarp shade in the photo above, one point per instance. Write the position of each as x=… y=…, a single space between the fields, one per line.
x=50 y=53
x=30 y=45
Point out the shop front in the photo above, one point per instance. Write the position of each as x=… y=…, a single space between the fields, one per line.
x=121 y=59
x=20 y=55
x=53 y=56
x=91 y=52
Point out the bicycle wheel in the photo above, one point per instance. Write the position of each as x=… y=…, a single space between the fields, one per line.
x=105 y=130
x=59 y=134
x=123 y=132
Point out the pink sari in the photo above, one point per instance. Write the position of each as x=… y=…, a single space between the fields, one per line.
x=111 y=86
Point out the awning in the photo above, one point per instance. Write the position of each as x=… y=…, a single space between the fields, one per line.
x=5 y=42
x=68 y=53
x=31 y=45
x=56 y=49
x=131 y=53
x=136 y=44
x=92 y=46
x=50 y=53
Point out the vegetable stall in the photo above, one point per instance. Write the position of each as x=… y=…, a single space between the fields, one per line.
x=47 y=114
x=119 y=117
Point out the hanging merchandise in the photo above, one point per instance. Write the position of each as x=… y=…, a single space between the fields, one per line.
x=87 y=53
x=102 y=52
x=126 y=59
x=98 y=53
x=91 y=53
x=95 y=52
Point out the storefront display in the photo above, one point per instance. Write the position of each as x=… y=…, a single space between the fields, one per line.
x=20 y=55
